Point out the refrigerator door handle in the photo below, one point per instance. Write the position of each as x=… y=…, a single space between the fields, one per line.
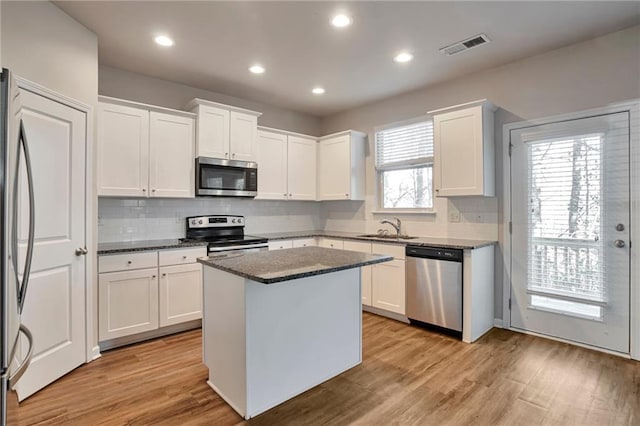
x=13 y=378
x=27 y=264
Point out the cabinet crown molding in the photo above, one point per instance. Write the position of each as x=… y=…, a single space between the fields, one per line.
x=345 y=132
x=198 y=101
x=134 y=104
x=481 y=102
x=285 y=132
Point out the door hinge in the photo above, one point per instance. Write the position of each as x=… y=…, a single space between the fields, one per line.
x=510 y=148
x=510 y=227
x=509 y=304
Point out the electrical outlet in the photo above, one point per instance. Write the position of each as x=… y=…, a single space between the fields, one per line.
x=454 y=214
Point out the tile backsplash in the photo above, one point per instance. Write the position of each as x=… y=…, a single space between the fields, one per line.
x=150 y=219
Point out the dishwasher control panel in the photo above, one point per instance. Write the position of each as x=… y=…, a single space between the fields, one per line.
x=454 y=255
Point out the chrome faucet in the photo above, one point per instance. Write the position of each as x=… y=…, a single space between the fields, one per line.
x=397 y=225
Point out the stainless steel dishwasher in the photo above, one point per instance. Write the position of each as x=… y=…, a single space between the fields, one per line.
x=434 y=287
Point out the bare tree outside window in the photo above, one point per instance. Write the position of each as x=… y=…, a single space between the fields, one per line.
x=408 y=188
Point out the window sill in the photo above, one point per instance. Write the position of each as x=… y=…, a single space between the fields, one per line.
x=405 y=211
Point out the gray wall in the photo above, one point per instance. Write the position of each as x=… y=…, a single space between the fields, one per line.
x=138 y=87
x=585 y=75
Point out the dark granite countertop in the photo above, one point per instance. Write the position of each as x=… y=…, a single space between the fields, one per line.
x=129 y=246
x=420 y=241
x=269 y=267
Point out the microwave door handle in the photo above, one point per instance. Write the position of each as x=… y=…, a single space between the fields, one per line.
x=32 y=218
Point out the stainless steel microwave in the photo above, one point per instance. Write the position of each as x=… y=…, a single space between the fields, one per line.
x=226 y=178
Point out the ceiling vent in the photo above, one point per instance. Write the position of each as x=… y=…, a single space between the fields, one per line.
x=463 y=45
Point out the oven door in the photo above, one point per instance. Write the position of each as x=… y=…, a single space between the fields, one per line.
x=227 y=178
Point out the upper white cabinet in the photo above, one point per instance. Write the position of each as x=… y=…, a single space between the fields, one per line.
x=144 y=151
x=464 y=150
x=341 y=165
x=286 y=166
x=225 y=132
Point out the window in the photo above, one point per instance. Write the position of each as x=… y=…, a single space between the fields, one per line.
x=404 y=165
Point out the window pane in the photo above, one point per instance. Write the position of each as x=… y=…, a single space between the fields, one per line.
x=407 y=188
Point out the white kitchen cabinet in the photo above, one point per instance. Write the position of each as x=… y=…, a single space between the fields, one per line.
x=341 y=166
x=180 y=293
x=144 y=151
x=301 y=167
x=464 y=150
x=128 y=302
x=280 y=244
x=224 y=131
x=305 y=242
x=286 y=166
x=272 y=166
x=331 y=243
x=366 y=271
x=143 y=291
x=123 y=150
x=171 y=155
x=388 y=286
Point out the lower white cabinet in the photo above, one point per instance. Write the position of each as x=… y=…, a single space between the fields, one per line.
x=280 y=244
x=180 y=293
x=388 y=286
x=365 y=271
x=128 y=303
x=331 y=243
x=140 y=292
x=305 y=242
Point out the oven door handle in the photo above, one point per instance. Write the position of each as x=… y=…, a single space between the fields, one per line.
x=238 y=247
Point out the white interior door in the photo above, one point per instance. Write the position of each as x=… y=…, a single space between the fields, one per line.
x=571 y=217
x=54 y=307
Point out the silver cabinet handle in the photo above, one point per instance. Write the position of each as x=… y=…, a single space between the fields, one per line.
x=184 y=257
x=164 y=274
x=153 y=277
x=144 y=189
x=619 y=243
x=346 y=195
x=13 y=379
x=233 y=155
x=226 y=154
x=81 y=251
x=153 y=190
x=129 y=262
x=620 y=227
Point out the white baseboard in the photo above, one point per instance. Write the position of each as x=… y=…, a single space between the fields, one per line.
x=497 y=323
x=382 y=312
x=95 y=353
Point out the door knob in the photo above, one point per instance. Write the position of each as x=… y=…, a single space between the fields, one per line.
x=81 y=251
x=618 y=243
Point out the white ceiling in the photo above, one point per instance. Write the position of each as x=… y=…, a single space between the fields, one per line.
x=215 y=43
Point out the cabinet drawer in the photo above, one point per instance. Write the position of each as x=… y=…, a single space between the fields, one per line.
x=280 y=244
x=357 y=246
x=397 y=251
x=181 y=256
x=305 y=242
x=127 y=261
x=331 y=243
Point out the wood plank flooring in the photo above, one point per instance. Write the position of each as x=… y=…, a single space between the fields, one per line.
x=409 y=376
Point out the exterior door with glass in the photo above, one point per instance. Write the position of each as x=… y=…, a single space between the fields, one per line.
x=570 y=207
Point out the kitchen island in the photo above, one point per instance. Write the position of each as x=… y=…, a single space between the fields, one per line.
x=277 y=323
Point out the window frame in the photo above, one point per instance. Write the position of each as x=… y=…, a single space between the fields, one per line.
x=405 y=165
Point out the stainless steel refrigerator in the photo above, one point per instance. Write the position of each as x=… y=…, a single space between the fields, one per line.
x=16 y=341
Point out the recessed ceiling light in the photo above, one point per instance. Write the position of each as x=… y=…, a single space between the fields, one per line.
x=318 y=91
x=163 y=40
x=403 y=57
x=257 y=69
x=341 y=21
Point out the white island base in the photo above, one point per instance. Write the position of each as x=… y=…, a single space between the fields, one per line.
x=266 y=343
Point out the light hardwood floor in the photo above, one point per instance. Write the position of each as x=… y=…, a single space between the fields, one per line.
x=408 y=376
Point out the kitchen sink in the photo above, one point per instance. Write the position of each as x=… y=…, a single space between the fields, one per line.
x=388 y=237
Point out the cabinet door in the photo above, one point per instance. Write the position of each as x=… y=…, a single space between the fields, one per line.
x=180 y=293
x=301 y=166
x=330 y=243
x=244 y=133
x=365 y=274
x=272 y=166
x=459 y=152
x=123 y=150
x=305 y=242
x=128 y=303
x=171 y=146
x=388 y=286
x=212 y=137
x=334 y=174
x=280 y=244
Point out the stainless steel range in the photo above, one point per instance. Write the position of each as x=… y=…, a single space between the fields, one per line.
x=223 y=234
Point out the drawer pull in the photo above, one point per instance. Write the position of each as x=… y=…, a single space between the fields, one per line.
x=153 y=277
x=184 y=257
x=129 y=262
x=164 y=274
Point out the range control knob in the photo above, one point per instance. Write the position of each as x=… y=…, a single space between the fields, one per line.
x=200 y=222
x=239 y=220
x=233 y=221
